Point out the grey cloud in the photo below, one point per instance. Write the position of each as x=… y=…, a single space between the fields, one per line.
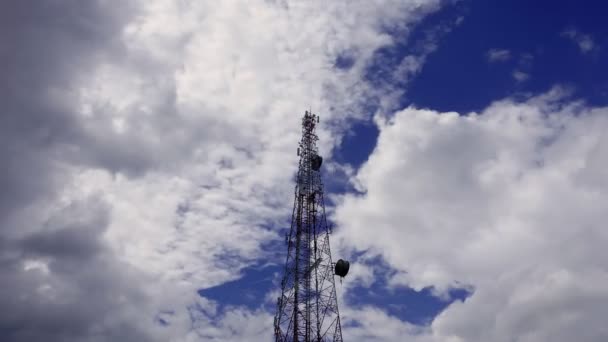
x=82 y=286
x=45 y=46
x=49 y=49
x=75 y=233
x=75 y=291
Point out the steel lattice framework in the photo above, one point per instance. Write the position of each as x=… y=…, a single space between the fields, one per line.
x=307 y=309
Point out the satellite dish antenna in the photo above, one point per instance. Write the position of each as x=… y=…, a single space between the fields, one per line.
x=341 y=268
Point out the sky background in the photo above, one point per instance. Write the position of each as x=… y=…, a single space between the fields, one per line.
x=149 y=152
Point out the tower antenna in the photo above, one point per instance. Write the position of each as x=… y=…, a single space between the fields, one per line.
x=307 y=309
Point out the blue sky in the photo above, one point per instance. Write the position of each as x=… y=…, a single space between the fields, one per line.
x=151 y=152
x=523 y=28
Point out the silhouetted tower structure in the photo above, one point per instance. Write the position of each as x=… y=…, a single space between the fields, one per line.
x=307 y=309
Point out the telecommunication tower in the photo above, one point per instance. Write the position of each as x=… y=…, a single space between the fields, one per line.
x=307 y=309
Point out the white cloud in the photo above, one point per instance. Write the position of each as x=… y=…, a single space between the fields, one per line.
x=498 y=55
x=511 y=201
x=219 y=119
x=373 y=324
x=185 y=127
x=584 y=41
x=520 y=76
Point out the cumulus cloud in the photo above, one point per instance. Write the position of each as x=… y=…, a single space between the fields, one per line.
x=148 y=150
x=584 y=41
x=510 y=202
x=498 y=55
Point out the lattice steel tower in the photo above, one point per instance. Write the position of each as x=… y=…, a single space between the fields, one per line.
x=307 y=309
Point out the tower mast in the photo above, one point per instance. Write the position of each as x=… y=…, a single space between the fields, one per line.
x=307 y=309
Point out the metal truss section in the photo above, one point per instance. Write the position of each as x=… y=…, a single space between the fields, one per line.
x=307 y=309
